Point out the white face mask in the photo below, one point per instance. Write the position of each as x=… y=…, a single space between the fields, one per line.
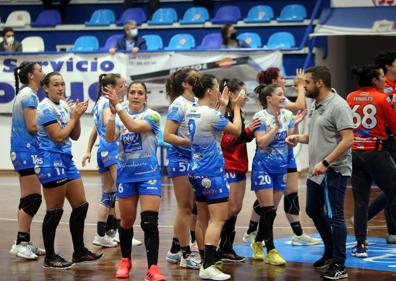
x=10 y=40
x=134 y=32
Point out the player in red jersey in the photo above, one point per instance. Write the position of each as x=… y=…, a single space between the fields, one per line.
x=371 y=161
x=387 y=61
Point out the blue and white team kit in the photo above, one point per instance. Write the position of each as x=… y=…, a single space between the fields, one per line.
x=56 y=160
x=270 y=163
x=179 y=157
x=207 y=174
x=138 y=170
x=24 y=145
x=107 y=152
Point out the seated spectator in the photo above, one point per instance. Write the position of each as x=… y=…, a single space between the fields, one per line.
x=230 y=40
x=9 y=43
x=131 y=40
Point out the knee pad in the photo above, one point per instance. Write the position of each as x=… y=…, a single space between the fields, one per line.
x=80 y=212
x=149 y=221
x=108 y=199
x=194 y=210
x=52 y=218
x=30 y=204
x=291 y=205
x=256 y=207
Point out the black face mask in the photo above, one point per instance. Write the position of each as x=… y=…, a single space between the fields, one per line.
x=233 y=36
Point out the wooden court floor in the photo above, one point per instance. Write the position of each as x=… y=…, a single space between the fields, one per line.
x=13 y=268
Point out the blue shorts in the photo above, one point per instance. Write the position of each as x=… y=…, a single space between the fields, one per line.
x=264 y=180
x=291 y=161
x=56 y=167
x=129 y=189
x=210 y=189
x=178 y=168
x=235 y=177
x=23 y=160
x=105 y=159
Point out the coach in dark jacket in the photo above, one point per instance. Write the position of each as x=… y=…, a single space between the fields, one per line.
x=131 y=41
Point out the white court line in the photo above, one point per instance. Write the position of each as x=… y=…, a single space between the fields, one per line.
x=3 y=184
x=171 y=226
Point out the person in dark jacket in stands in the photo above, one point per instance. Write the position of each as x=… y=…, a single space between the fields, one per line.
x=131 y=41
x=9 y=43
x=228 y=33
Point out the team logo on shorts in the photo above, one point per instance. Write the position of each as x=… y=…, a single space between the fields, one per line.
x=13 y=156
x=207 y=183
x=37 y=169
x=152 y=181
x=104 y=153
x=285 y=178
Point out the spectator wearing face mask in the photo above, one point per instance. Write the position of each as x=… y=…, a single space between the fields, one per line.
x=9 y=43
x=131 y=41
x=230 y=40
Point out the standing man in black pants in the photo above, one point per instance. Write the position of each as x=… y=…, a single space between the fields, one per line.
x=330 y=138
x=372 y=111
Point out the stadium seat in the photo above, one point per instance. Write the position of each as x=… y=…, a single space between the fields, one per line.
x=211 y=41
x=259 y=13
x=153 y=42
x=101 y=17
x=136 y=14
x=294 y=12
x=86 y=44
x=195 y=15
x=181 y=41
x=163 y=16
x=47 y=18
x=280 y=40
x=251 y=38
x=111 y=42
x=18 y=18
x=227 y=14
x=33 y=44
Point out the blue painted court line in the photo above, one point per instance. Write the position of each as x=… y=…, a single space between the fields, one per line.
x=381 y=256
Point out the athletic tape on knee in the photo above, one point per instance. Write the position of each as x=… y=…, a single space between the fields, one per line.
x=30 y=204
x=291 y=205
x=108 y=199
x=149 y=221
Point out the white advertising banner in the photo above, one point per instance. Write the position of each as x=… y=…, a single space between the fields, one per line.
x=81 y=71
x=362 y=3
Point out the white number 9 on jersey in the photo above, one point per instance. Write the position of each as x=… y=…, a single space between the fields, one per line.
x=368 y=121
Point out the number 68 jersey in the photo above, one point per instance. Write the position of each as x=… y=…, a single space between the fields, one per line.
x=373 y=115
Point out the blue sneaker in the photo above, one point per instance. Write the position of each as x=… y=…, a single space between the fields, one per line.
x=173 y=257
x=359 y=251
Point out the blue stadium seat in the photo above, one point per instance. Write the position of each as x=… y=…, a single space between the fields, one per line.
x=136 y=14
x=153 y=42
x=47 y=18
x=111 y=42
x=227 y=14
x=280 y=40
x=86 y=44
x=259 y=13
x=163 y=16
x=181 y=41
x=101 y=17
x=294 y=12
x=195 y=15
x=251 y=38
x=211 y=41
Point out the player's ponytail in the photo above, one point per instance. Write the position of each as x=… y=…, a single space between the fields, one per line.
x=263 y=91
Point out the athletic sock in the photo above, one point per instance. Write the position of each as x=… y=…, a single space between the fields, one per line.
x=109 y=223
x=76 y=226
x=101 y=228
x=175 y=246
x=126 y=235
x=22 y=237
x=50 y=223
x=296 y=227
x=192 y=234
x=252 y=226
x=210 y=256
x=186 y=251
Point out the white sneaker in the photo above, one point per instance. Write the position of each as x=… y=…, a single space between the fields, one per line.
x=136 y=242
x=104 y=241
x=213 y=273
x=194 y=247
x=173 y=258
x=249 y=238
x=192 y=261
x=23 y=250
x=36 y=249
x=116 y=237
x=305 y=240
